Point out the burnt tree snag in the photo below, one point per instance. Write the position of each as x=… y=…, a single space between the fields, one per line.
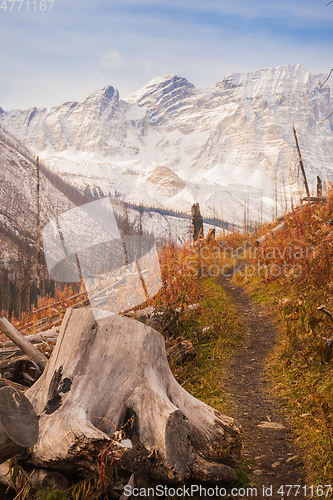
x=319 y=187
x=197 y=222
x=301 y=164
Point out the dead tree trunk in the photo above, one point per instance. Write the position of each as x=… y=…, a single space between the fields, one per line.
x=110 y=380
x=197 y=222
x=18 y=423
x=301 y=164
x=8 y=329
x=319 y=187
x=38 y=478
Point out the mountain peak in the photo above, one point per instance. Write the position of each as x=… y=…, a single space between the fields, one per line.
x=106 y=93
x=228 y=146
x=157 y=88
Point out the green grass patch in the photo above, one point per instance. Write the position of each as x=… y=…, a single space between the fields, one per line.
x=215 y=330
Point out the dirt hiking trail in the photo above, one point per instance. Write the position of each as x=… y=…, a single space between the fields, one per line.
x=266 y=433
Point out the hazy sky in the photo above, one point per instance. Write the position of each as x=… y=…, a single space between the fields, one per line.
x=48 y=56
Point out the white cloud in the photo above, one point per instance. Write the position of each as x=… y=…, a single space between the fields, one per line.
x=112 y=59
x=125 y=44
x=146 y=66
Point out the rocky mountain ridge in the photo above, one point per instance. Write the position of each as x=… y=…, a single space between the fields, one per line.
x=230 y=147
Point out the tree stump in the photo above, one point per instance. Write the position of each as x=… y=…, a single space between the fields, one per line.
x=18 y=423
x=108 y=380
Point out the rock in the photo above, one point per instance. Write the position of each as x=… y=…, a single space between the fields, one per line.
x=181 y=352
x=192 y=307
x=127 y=443
x=271 y=425
x=143 y=315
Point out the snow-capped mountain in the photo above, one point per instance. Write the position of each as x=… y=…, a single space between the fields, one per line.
x=18 y=207
x=230 y=147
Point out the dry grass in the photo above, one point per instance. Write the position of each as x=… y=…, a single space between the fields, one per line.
x=301 y=368
x=214 y=329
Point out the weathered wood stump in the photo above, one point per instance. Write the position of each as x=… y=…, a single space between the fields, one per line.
x=18 y=423
x=110 y=380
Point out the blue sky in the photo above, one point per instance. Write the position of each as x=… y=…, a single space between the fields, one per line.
x=49 y=57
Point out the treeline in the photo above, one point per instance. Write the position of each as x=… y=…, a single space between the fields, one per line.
x=18 y=284
x=18 y=289
x=92 y=193
x=214 y=221
x=72 y=193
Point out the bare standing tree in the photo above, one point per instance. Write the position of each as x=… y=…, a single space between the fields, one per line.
x=322 y=87
x=38 y=234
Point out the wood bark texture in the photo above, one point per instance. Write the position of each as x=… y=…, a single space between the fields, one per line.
x=109 y=380
x=8 y=329
x=276 y=229
x=18 y=423
x=38 y=478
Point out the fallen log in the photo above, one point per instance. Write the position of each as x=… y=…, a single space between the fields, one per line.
x=8 y=383
x=18 y=423
x=276 y=229
x=130 y=484
x=109 y=380
x=321 y=199
x=50 y=334
x=8 y=329
x=38 y=478
x=323 y=309
x=285 y=216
